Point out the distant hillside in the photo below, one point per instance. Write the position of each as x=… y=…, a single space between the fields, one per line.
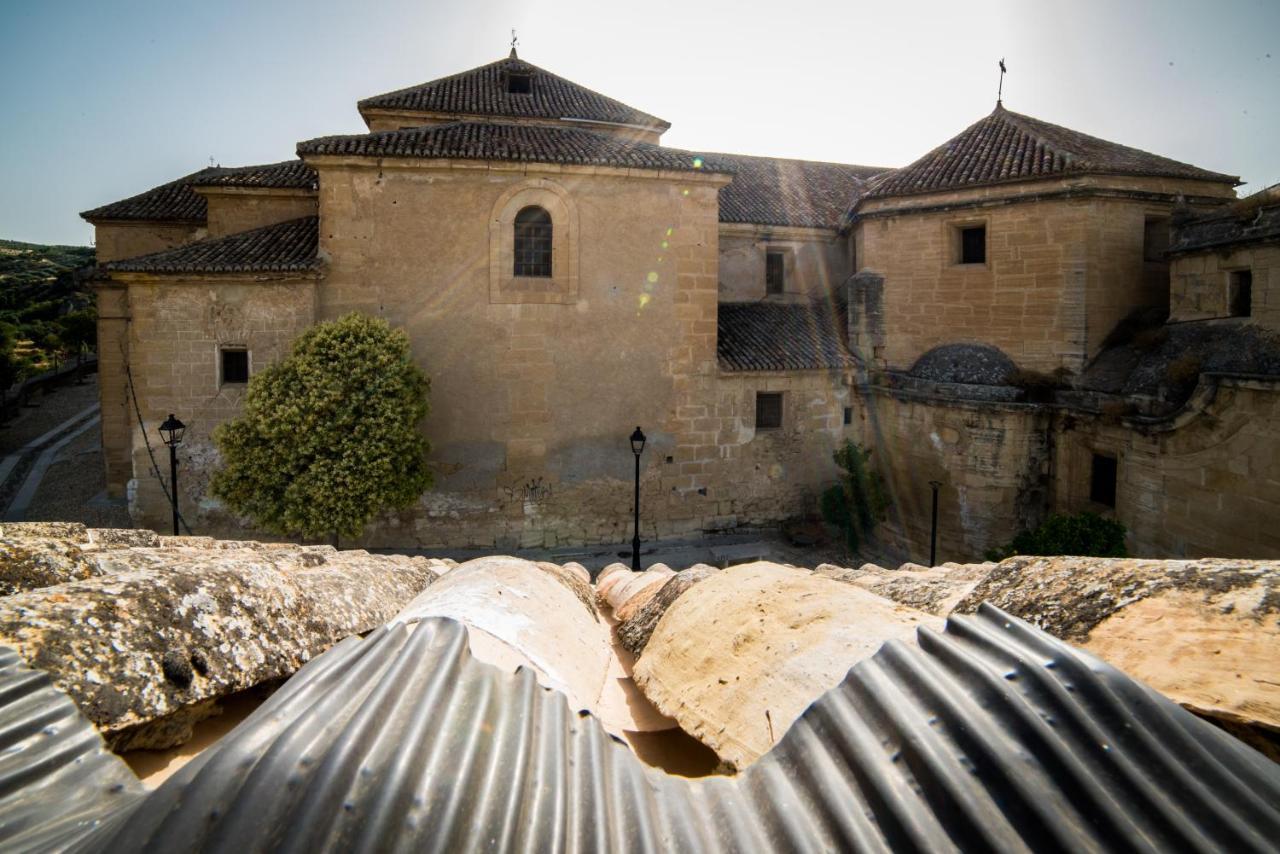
x=46 y=307
x=32 y=270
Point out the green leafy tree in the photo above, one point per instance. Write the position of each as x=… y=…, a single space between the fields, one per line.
x=1084 y=534
x=329 y=436
x=859 y=500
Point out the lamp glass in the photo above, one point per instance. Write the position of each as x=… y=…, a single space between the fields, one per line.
x=637 y=442
x=171 y=430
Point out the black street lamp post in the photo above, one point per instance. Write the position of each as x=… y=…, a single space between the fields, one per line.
x=637 y=447
x=171 y=431
x=933 y=528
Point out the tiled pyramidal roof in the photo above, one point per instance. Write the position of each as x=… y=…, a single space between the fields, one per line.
x=483 y=91
x=1006 y=146
x=286 y=247
x=176 y=201
x=776 y=191
x=773 y=336
x=522 y=143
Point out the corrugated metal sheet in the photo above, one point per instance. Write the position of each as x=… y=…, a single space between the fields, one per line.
x=57 y=780
x=991 y=736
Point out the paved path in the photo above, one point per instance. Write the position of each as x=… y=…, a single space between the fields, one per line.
x=17 y=510
x=32 y=460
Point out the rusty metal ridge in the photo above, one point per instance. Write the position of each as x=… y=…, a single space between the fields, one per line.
x=990 y=736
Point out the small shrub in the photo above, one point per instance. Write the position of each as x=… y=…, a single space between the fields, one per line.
x=1037 y=387
x=859 y=501
x=1136 y=321
x=1114 y=410
x=1150 y=340
x=1183 y=371
x=329 y=436
x=1084 y=534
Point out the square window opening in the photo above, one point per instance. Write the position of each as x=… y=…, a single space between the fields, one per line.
x=1240 y=293
x=768 y=410
x=774 y=273
x=973 y=244
x=520 y=84
x=1102 y=483
x=235 y=366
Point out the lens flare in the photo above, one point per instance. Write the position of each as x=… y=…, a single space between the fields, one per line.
x=652 y=277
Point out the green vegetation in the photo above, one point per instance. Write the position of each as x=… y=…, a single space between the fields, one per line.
x=329 y=436
x=858 y=501
x=46 y=309
x=1084 y=534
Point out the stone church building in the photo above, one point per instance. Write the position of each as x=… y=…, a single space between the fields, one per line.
x=1035 y=318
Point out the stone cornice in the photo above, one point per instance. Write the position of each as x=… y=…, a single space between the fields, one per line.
x=1064 y=194
x=322 y=161
x=777 y=232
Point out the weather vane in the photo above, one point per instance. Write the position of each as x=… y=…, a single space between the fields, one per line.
x=999 y=91
x=514 y=41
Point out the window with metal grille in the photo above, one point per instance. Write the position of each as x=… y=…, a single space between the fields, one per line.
x=973 y=244
x=235 y=366
x=533 y=242
x=774 y=272
x=1102 y=483
x=768 y=410
x=1240 y=293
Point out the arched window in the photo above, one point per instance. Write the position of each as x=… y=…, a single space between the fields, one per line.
x=533 y=242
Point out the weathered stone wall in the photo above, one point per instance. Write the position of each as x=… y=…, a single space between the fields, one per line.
x=1200 y=284
x=764 y=476
x=532 y=400
x=113 y=355
x=115 y=240
x=991 y=460
x=815 y=262
x=1064 y=262
x=175 y=333
x=1203 y=483
x=236 y=209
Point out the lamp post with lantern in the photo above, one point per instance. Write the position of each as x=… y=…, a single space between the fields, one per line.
x=637 y=448
x=171 y=431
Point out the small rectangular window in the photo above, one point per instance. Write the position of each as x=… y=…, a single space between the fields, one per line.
x=1240 y=293
x=519 y=84
x=235 y=366
x=1102 y=483
x=774 y=273
x=768 y=410
x=973 y=244
x=848 y=415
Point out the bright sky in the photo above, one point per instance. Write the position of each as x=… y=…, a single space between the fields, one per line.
x=103 y=100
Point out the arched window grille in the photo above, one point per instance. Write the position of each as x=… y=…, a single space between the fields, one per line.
x=533 y=242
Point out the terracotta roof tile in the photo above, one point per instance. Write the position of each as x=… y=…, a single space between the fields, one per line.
x=1006 y=146
x=1253 y=219
x=286 y=174
x=171 y=202
x=176 y=201
x=774 y=336
x=777 y=191
x=286 y=247
x=483 y=91
x=523 y=143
